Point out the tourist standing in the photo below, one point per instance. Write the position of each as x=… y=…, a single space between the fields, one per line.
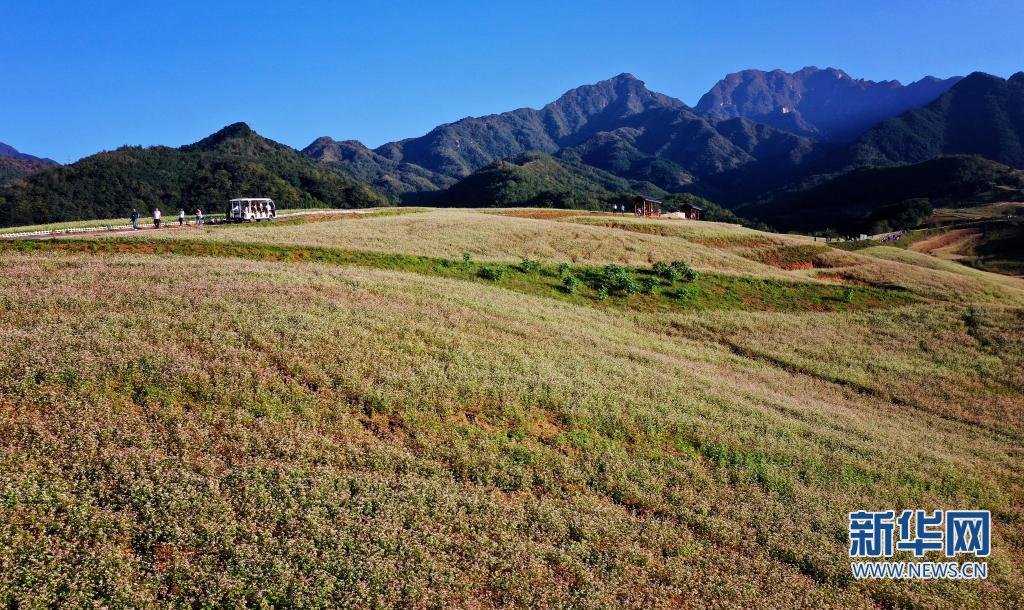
x=199 y=217
x=156 y=218
x=135 y=219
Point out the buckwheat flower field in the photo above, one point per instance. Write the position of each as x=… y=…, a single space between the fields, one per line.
x=354 y=413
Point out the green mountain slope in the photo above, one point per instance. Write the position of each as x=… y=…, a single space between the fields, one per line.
x=617 y=125
x=398 y=180
x=876 y=199
x=15 y=165
x=13 y=169
x=981 y=115
x=233 y=162
x=536 y=179
x=457 y=149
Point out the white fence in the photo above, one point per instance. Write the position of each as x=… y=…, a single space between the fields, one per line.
x=125 y=227
x=46 y=232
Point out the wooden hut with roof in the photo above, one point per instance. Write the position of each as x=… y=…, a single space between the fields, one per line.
x=642 y=206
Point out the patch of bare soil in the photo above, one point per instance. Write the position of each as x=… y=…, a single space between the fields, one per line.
x=949 y=245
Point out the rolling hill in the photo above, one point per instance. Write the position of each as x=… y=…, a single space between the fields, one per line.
x=535 y=179
x=539 y=180
x=351 y=412
x=234 y=162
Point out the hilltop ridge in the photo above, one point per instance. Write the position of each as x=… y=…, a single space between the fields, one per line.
x=234 y=161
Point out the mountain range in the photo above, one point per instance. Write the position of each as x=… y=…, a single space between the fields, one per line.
x=455 y=150
x=982 y=115
x=753 y=133
x=617 y=125
x=973 y=133
x=759 y=142
x=826 y=104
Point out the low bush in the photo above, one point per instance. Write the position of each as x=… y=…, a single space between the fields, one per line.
x=665 y=271
x=615 y=278
x=687 y=293
x=529 y=266
x=493 y=274
x=685 y=272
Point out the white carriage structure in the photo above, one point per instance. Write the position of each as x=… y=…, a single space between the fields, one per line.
x=249 y=209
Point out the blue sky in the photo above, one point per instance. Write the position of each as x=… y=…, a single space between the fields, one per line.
x=79 y=78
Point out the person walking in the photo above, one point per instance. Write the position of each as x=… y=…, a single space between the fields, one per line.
x=181 y=217
x=156 y=218
x=199 y=217
x=135 y=219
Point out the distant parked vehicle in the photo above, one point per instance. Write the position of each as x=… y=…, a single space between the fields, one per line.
x=247 y=209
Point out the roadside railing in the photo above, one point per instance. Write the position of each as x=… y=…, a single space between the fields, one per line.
x=146 y=223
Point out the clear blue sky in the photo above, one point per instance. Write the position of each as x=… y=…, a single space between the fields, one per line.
x=80 y=77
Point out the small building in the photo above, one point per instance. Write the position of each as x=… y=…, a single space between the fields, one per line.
x=642 y=206
x=690 y=211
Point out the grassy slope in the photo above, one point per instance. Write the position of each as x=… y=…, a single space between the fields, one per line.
x=182 y=427
x=451 y=233
x=987 y=237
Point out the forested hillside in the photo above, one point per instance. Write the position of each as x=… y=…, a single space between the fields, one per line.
x=981 y=115
x=538 y=180
x=878 y=199
x=15 y=165
x=398 y=180
x=234 y=162
x=617 y=125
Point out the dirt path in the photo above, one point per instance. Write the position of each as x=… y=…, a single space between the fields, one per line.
x=146 y=224
x=949 y=245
